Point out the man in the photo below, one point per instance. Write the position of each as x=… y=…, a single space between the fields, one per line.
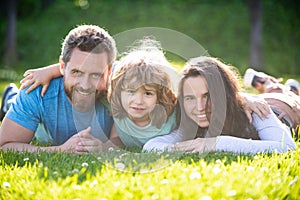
x=71 y=115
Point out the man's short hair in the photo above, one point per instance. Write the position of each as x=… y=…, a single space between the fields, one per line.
x=89 y=38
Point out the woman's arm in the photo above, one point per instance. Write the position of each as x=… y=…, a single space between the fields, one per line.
x=164 y=143
x=273 y=134
x=274 y=137
x=40 y=76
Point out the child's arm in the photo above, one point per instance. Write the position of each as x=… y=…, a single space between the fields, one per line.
x=40 y=76
x=114 y=137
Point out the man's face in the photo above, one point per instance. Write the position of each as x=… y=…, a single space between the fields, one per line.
x=84 y=74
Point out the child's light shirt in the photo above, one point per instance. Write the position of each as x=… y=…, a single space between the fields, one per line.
x=136 y=136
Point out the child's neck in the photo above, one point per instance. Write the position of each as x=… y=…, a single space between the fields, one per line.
x=142 y=123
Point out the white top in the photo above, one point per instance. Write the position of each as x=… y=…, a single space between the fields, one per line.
x=274 y=137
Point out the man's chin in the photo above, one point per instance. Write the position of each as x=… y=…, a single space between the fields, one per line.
x=83 y=106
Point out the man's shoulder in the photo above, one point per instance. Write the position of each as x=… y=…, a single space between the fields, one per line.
x=55 y=87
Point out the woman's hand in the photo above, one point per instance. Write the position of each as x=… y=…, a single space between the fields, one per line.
x=200 y=145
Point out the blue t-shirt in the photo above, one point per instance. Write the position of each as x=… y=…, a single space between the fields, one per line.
x=52 y=117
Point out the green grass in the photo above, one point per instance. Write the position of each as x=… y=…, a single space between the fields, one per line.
x=149 y=176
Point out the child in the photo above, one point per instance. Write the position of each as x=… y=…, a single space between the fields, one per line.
x=141 y=96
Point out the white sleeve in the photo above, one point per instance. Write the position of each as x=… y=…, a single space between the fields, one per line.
x=274 y=137
x=164 y=143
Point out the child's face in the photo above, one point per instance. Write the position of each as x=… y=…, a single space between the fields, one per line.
x=195 y=94
x=138 y=103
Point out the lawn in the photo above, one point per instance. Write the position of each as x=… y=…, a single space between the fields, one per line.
x=133 y=175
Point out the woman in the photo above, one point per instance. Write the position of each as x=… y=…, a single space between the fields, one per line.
x=212 y=117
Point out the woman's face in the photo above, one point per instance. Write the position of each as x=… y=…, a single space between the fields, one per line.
x=195 y=95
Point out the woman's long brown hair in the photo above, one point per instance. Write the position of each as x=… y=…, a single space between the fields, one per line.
x=227 y=105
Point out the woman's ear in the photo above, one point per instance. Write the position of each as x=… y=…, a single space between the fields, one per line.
x=62 y=67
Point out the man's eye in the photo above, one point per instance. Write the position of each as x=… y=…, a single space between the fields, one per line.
x=96 y=76
x=77 y=73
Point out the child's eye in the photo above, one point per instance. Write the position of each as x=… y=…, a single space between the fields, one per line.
x=149 y=93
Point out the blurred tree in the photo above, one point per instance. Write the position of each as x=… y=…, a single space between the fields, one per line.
x=256 y=53
x=10 y=52
x=13 y=9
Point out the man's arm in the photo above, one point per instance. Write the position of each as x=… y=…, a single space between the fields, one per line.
x=17 y=138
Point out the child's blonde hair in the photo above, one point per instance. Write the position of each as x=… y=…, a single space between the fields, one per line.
x=143 y=67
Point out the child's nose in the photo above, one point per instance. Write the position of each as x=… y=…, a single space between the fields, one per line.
x=138 y=98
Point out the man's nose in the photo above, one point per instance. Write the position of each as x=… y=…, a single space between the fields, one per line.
x=85 y=83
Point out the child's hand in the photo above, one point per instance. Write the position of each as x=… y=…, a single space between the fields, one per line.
x=35 y=77
x=40 y=76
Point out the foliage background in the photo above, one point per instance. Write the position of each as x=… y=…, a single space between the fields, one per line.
x=221 y=27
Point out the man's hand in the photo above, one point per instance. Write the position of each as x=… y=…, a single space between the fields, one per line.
x=82 y=142
x=257 y=105
x=200 y=145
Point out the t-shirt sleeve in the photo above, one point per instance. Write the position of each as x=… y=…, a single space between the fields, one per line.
x=25 y=110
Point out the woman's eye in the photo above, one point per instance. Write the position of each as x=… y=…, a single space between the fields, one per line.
x=205 y=96
x=188 y=98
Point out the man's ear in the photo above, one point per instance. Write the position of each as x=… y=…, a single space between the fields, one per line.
x=110 y=67
x=62 y=67
x=103 y=82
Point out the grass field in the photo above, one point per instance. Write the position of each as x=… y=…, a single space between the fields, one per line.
x=119 y=175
